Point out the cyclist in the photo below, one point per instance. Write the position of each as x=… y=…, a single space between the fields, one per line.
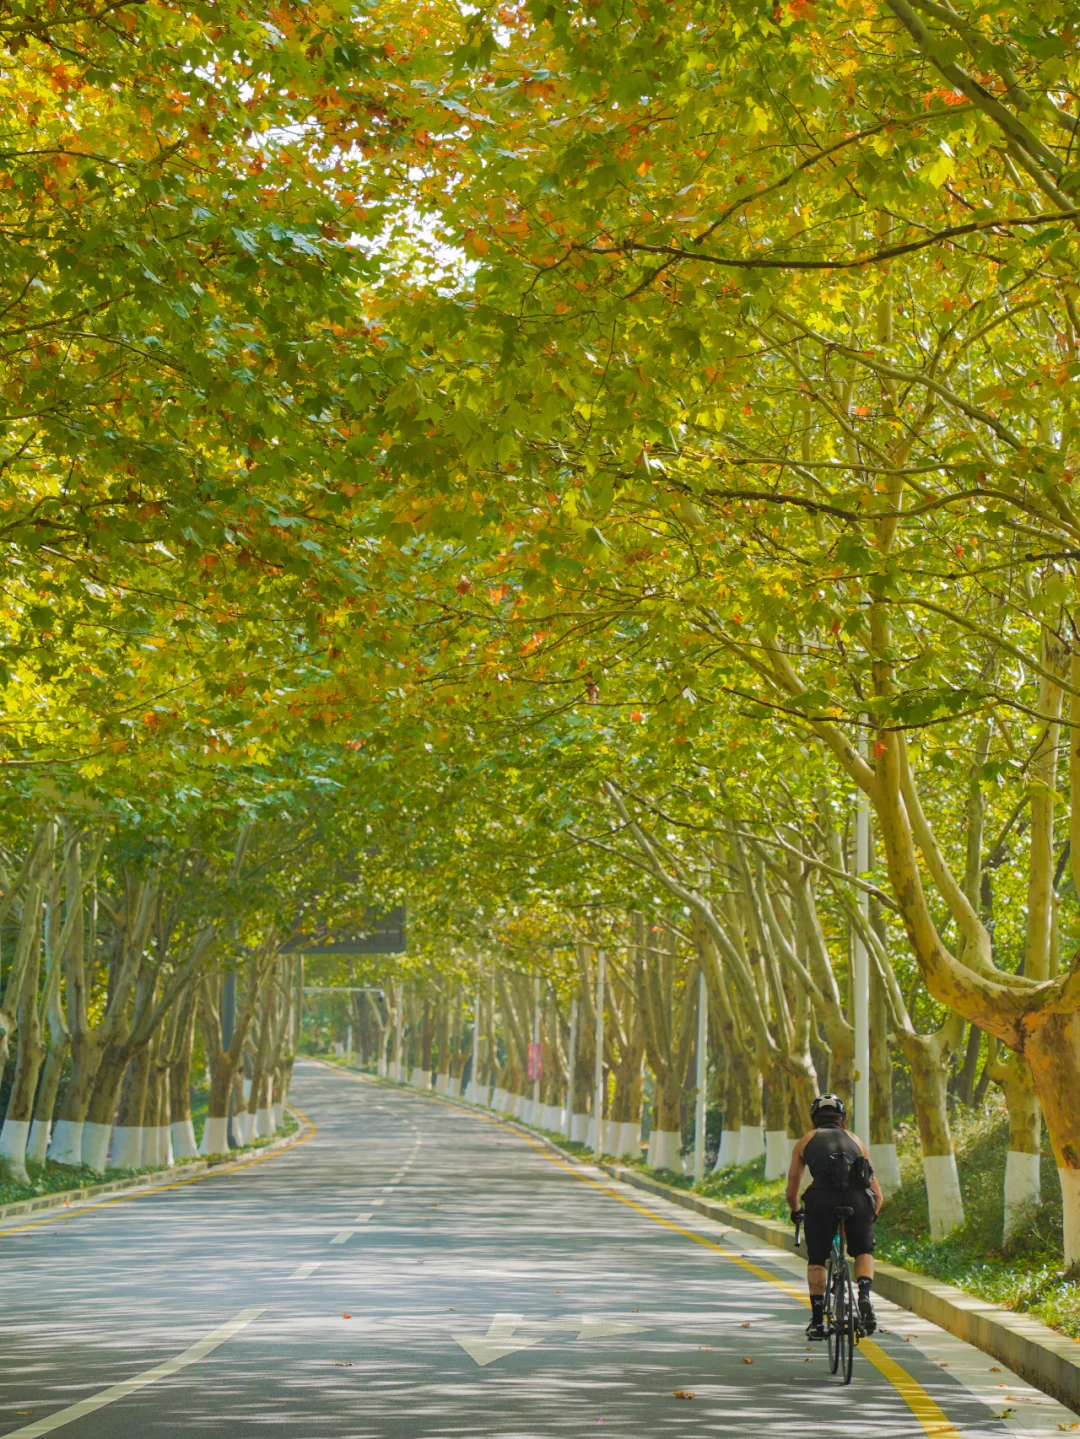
x=841 y=1176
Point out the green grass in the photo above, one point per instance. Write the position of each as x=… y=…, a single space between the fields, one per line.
x=1028 y=1276
x=58 y=1178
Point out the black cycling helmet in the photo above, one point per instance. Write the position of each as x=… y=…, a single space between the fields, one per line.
x=827 y=1102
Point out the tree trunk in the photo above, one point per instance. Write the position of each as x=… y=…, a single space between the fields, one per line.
x=882 y=1136
x=16 y=1130
x=928 y=1086
x=180 y=1125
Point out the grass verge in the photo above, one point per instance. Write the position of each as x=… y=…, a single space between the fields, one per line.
x=52 y=1178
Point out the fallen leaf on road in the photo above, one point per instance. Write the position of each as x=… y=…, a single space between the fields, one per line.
x=995 y=1369
x=1069 y=1426
x=746 y=1325
x=705 y=1346
x=748 y=1361
x=346 y=1316
x=343 y=1364
x=681 y=1394
x=30 y=1411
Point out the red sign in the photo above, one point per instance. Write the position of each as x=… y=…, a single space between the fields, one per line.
x=536 y=1062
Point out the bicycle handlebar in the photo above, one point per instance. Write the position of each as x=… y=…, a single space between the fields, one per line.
x=797 y=1217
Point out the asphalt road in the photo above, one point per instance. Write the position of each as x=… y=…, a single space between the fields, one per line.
x=415 y=1271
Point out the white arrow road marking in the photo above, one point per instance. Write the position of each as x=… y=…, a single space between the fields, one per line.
x=591 y=1328
x=149 y=1376
x=497 y=1343
x=501 y=1338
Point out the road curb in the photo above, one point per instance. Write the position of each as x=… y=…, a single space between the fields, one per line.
x=161 y=1179
x=1035 y=1352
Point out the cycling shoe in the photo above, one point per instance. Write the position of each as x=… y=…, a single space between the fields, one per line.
x=816 y=1330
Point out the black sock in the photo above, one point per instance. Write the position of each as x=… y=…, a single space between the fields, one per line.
x=864 y=1289
x=817 y=1307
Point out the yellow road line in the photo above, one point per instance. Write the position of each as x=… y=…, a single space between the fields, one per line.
x=931 y=1417
x=75 y=1213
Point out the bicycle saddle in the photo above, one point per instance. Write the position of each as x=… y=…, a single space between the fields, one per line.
x=843 y=1212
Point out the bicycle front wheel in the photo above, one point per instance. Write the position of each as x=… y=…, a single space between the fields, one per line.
x=850 y=1331
x=835 y=1320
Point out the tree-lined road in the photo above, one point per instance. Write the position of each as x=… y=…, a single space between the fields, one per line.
x=414 y=1269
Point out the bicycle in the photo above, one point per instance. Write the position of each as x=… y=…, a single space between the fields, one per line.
x=842 y=1323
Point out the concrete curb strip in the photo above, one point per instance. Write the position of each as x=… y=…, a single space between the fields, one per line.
x=161 y=1179
x=1046 y=1359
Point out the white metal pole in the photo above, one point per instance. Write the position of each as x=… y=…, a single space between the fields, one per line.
x=348 y=1043
x=702 y=1077
x=397 y=1032
x=536 y=1051
x=861 y=973
x=475 y=1081
x=568 y=1123
x=598 y=1106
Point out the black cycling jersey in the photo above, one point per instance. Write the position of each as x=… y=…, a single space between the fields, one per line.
x=829 y=1154
x=819 y=1152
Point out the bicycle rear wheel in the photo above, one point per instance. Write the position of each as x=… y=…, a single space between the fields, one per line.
x=835 y=1319
x=851 y=1320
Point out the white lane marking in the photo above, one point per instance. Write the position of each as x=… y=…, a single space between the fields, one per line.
x=388 y=1189
x=361 y=1219
x=374 y=1202
x=497 y=1343
x=305 y=1270
x=140 y=1381
x=343 y=1236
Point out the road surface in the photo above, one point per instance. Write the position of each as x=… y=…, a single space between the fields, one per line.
x=417 y=1271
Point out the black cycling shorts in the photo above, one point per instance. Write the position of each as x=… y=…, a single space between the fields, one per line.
x=821 y=1223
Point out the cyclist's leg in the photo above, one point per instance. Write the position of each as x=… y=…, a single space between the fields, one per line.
x=819 y=1227
x=860 y=1231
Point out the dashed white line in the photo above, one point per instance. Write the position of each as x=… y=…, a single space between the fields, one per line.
x=305 y=1270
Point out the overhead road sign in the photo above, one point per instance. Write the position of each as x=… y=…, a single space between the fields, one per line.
x=378 y=934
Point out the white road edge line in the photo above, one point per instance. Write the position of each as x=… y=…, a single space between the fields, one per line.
x=305 y=1270
x=140 y=1381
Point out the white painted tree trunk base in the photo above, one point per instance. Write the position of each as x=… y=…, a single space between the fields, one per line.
x=127 y=1149
x=728 y=1152
x=264 y=1124
x=579 y=1128
x=751 y=1144
x=453 y=1086
x=37 y=1145
x=886 y=1166
x=441 y=1081
x=215 y=1135
x=246 y=1084
x=556 y=1118
x=943 y=1194
x=421 y=1078
x=1023 y=1190
x=65 y=1147
x=498 y=1098
x=183 y=1139
x=14 y=1138
x=664 y=1150
x=625 y=1139
x=95 y=1145
x=777 y=1155
x=1070 y=1202
x=279 y=1117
